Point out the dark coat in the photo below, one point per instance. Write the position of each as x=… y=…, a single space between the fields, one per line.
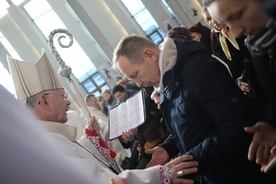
x=207 y=113
x=264 y=65
x=236 y=65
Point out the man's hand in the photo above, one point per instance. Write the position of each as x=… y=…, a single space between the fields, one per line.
x=271 y=161
x=159 y=156
x=93 y=125
x=183 y=166
x=263 y=140
x=129 y=135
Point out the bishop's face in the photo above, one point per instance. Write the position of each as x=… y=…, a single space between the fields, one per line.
x=244 y=17
x=144 y=74
x=59 y=105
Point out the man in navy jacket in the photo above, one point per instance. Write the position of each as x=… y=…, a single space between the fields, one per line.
x=203 y=107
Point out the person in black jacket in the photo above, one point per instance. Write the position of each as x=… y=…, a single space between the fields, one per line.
x=249 y=18
x=228 y=48
x=201 y=104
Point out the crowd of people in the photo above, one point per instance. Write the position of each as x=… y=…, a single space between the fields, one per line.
x=210 y=109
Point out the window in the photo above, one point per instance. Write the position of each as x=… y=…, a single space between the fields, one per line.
x=171 y=12
x=95 y=84
x=47 y=20
x=3 y=8
x=17 y=2
x=8 y=46
x=5 y=77
x=145 y=20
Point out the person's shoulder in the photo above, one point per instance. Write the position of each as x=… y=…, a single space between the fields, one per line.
x=192 y=49
x=130 y=92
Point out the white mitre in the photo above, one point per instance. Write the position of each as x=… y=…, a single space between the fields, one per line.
x=32 y=78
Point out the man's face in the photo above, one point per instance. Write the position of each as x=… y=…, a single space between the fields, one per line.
x=196 y=36
x=121 y=96
x=144 y=74
x=58 y=104
x=243 y=16
x=211 y=22
x=93 y=101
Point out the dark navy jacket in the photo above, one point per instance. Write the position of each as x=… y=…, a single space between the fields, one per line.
x=207 y=113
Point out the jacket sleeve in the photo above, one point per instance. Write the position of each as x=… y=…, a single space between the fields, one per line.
x=170 y=146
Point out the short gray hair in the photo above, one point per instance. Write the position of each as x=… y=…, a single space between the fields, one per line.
x=32 y=101
x=131 y=47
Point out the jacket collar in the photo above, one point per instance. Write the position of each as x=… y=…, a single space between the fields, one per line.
x=167 y=58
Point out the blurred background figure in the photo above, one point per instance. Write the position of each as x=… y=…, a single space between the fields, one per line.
x=128 y=85
x=109 y=98
x=94 y=107
x=197 y=35
x=103 y=104
x=206 y=32
x=118 y=78
x=121 y=94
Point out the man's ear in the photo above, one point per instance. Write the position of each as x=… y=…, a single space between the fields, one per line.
x=43 y=101
x=149 y=55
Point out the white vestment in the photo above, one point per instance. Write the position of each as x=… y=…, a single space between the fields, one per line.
x=76 y=119
x=28 y=155
x=97 y=113
x=64 y=137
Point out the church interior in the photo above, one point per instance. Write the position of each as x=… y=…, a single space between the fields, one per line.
x=96 y=27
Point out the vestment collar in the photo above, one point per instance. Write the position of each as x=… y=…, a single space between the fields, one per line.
x=70 y=132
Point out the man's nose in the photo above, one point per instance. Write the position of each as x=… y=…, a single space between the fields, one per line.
x=139 y=83
x=68 y=102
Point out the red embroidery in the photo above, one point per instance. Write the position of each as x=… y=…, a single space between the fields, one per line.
x=101 y=146
x=166 y=174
